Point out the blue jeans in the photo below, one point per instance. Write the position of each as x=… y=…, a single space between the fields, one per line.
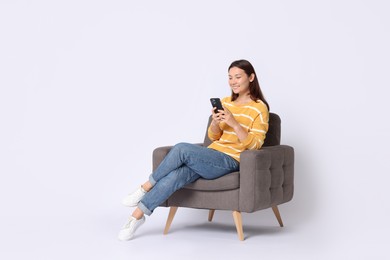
x=184 y=164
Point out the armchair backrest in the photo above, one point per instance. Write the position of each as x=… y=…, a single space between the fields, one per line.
x=273 y=135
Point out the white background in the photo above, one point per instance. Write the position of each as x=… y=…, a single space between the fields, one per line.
x=90 y=88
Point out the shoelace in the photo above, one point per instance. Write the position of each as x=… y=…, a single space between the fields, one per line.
x=127 y=225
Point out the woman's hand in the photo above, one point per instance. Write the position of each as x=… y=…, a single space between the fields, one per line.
x=217 y=117
x=227 y=117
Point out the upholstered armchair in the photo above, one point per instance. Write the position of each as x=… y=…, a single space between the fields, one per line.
x=265 y=180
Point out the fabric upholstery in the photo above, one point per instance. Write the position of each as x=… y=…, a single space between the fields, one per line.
x=230 y=181
x=273 y=135
x=266 y=177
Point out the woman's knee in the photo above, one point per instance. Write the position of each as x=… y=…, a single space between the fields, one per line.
x=182 y=146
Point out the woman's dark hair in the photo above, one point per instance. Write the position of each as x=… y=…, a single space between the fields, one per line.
x=254 y=86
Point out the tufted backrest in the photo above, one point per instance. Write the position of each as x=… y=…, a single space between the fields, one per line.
x=273 y=135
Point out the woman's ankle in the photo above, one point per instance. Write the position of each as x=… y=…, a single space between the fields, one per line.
x=147 y=186
x=137 y=213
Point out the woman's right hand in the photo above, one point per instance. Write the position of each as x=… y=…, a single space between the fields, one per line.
x=217 y=118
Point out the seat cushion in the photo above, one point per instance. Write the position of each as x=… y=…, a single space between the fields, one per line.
x=229 y=181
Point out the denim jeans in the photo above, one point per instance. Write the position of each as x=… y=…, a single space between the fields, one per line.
x=184 y=164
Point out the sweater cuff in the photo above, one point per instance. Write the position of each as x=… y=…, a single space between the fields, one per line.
x=248 y=140
x=213 y=136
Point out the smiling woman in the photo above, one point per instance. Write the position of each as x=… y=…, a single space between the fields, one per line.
x=249 y=109
x=243 y=80
x=241 y=125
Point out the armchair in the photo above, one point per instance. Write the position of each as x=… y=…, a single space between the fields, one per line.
x=265 y=180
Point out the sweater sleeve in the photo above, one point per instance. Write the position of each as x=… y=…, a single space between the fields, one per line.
x=257 y=132
x=213 y=136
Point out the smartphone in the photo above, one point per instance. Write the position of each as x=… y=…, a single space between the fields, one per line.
x=216 y=102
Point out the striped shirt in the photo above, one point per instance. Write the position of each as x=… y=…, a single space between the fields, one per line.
x=252 y=116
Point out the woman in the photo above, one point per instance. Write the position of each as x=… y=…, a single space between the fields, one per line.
x=241 y=125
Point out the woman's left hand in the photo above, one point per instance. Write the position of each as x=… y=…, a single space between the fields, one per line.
x=228 y=118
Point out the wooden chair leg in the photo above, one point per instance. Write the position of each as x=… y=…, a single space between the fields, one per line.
x=238 y=221
x=211 y=214
x=277 y=215
x=171 y=215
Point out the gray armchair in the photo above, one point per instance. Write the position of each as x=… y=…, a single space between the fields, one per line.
x=265 y=180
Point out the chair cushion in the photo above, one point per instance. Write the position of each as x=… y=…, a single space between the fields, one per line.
x=229 y=181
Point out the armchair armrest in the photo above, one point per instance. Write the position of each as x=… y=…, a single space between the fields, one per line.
x=266 y=177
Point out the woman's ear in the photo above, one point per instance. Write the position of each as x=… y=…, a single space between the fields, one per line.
x=252 y=77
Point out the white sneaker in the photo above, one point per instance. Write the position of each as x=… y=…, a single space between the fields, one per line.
x=132 y=199
x=128 y=230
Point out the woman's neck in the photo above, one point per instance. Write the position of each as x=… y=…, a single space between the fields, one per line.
x=242 y=99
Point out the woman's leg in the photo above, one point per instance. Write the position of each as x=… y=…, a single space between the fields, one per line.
x=202 y=161
x=163 y=189
x=196 y=161
x=152 y=199
x=208 y=163
x=184 y=164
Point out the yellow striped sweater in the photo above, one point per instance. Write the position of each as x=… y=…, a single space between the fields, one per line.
x=253 y=116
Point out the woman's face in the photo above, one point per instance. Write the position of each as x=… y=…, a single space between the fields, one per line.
x=239 y=81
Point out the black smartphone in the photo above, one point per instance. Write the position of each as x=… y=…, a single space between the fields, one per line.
x=216 y=102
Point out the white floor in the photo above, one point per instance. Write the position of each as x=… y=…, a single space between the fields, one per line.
x=94 y=237
x=53 y=212
x=191 y=236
